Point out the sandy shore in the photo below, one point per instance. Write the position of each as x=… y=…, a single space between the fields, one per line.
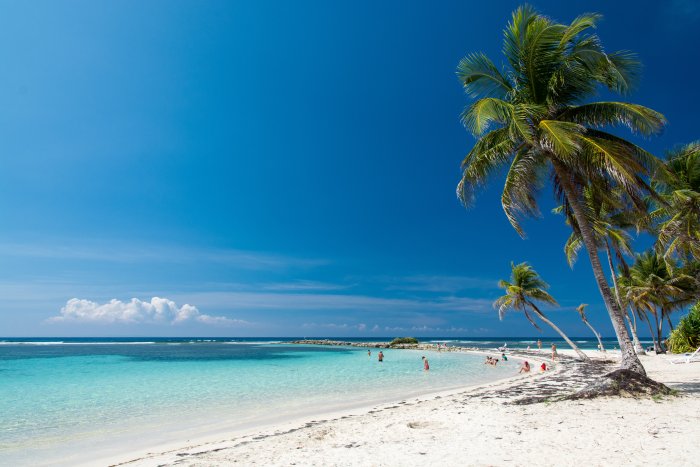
x=479 y=426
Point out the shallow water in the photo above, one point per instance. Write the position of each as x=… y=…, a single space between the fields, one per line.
x=71 y=401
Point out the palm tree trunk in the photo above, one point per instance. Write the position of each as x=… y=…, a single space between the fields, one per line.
x=635 y=339
x=659 y=329
x=657 y=344
x=582 y=356
x=597 y=335
x=612 y=272
x=629 y=359
x=633 y=330
x=668 y=320
x=652 y=333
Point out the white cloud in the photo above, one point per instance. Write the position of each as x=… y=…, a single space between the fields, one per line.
x=157 y=311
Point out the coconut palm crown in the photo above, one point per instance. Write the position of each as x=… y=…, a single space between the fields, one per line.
x=678 y=184
x=534 y=114
x=525 y=288
x=534 y=119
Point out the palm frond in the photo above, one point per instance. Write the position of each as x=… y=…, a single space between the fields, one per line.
x=481 y=78
x=481 y=114
x=579 y=25
x=523 y=181
x=561 y=137
x=572 y=247
x=637 y=118
x=622 y=73
x=489 y=153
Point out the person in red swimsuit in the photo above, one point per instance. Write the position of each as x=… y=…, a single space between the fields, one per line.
x=426 y=365
x=543 y=366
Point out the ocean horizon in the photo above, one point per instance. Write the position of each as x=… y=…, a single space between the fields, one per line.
x=584 y=342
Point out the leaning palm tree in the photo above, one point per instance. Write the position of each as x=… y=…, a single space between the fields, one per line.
x=610 y=214
x=526 y=288
x=678 y=184
x=581 y=311
x=534 y=120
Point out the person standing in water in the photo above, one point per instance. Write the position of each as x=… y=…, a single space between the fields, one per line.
x=426 y=365
x=554 y=352
x=539 y=345
x=369 y=353
x=381 y=356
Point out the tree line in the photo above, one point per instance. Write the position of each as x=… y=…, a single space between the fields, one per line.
x=535 y=119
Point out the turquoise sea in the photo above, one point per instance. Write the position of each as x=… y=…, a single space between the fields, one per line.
x=65 y=401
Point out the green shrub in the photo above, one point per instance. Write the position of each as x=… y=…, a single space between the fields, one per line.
x=404 y=340
x=686 y=336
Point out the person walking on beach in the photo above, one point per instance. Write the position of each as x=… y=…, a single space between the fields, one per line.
x=554 y=351
x=381 y=356
x=539 y=345
x=426 y=365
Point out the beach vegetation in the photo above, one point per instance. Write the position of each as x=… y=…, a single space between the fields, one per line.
x=535 y=120
x=522 y=292
x=686 y=336
x=404 y=340
x=656 y=290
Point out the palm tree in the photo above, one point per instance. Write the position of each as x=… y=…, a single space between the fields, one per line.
x=581 y=311
x=533 y=119
x=526 y=288
x=652 y=288
x=678 y=184
x=610 y=214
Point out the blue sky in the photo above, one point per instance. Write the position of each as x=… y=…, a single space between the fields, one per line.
x=283 y=168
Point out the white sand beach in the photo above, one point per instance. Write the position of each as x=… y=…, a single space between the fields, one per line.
x=477 y=426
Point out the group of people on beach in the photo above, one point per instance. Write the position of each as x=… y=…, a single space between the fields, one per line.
x=525 y=367
x=493 y=361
